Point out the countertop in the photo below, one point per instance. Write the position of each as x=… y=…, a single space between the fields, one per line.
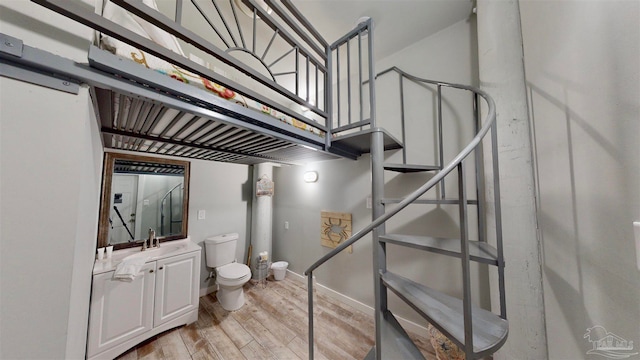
x=167 y=249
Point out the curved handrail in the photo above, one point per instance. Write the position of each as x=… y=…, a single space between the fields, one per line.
x=419 y=79
x=490 y=120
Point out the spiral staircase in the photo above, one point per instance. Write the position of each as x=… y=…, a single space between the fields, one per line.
x=476 y=331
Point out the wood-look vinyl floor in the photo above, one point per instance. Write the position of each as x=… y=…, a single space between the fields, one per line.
x=271 y=325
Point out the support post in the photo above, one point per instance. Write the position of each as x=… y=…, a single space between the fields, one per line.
x=501 y=71
x=262 y=214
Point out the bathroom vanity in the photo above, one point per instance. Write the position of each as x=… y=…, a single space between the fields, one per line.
x=164 y=295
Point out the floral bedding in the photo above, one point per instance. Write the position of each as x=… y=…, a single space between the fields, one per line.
x=161 y=37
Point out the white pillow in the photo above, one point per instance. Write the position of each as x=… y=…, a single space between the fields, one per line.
x=139 y=26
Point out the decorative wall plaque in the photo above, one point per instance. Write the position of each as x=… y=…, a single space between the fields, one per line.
x=335 y=228
x=264 y=186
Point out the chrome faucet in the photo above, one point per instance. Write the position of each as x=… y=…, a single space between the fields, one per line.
x=152 y=236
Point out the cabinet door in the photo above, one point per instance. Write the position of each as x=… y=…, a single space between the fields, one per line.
x=120 y=310
x=177 y=286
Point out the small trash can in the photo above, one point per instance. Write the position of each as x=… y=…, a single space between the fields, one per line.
x=279 y=269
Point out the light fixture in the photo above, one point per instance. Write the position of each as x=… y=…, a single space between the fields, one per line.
x=310 y=176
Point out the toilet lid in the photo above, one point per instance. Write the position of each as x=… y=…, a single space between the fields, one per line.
x=233 y=271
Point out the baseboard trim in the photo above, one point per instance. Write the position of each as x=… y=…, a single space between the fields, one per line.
x=406 y=324
x=207 y=290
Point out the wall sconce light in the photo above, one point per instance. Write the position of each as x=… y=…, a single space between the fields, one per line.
x=310 y=176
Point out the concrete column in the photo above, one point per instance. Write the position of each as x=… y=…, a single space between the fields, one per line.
x=501 y=71
x=261 y=218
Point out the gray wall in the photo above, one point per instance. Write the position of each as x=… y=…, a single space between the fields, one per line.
x=582 y=63
x=224 y=192
x=344 y=185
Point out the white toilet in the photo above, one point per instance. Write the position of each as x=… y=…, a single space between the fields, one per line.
x=230 y=275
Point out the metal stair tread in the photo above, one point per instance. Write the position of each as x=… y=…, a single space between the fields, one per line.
x=359 y=142
x=396 y=343
x=446 y=314
x=428 y=201
x=478 y=251
x=410 y=168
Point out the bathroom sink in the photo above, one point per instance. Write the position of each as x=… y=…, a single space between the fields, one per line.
x=166 y=249
x=156 y=253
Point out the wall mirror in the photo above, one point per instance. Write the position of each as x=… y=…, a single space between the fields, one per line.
x=141 y=193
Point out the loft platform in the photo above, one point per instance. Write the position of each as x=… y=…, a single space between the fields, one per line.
x=274 y=109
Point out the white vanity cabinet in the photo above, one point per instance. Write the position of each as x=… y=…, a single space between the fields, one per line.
x=176 y=293
x=120 y=311
x=162 y=296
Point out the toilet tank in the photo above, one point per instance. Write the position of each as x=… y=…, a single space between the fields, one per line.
x=221 y=249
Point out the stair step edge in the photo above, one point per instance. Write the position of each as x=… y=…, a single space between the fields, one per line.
x=478 y=251
x=445 y=313
x=428 y=201
x=398 y=167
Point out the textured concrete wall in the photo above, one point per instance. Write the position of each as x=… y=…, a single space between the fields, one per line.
x=501 y=72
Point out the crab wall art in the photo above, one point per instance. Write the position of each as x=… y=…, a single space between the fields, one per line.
x=335 y=228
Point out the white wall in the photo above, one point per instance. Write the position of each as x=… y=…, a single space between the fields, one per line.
x=344 y=185
x=582 y=63
x=51 y=160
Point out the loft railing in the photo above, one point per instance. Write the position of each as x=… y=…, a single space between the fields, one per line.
x=353 y=50
x=488 y=125
x=346 y=85
x=298 y=60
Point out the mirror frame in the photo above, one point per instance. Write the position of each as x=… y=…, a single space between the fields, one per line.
x=105 y=197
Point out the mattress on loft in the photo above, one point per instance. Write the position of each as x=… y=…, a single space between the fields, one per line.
x=159 y=36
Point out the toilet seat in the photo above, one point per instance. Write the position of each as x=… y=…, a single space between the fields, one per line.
x=233 y=273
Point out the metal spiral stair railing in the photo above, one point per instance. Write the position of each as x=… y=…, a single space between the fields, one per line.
x=476 y=331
